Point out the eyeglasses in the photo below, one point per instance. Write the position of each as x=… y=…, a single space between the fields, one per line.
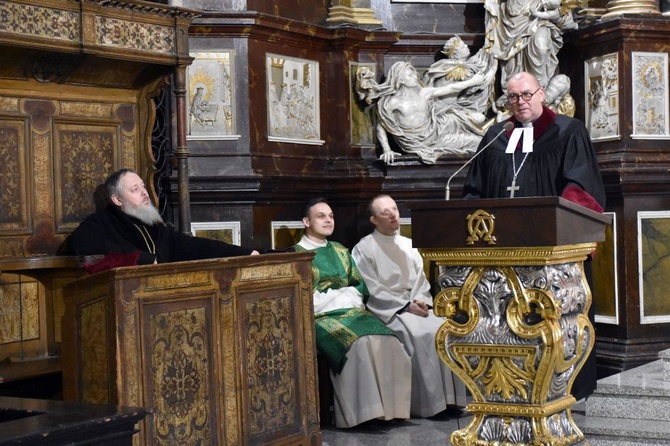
x=513 y=98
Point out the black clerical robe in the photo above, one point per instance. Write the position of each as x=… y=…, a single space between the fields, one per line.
x=562 y=156
x=111 y=231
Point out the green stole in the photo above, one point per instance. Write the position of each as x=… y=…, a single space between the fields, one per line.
x=333 y=267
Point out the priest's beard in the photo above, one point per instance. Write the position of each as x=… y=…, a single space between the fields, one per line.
x=147 y=214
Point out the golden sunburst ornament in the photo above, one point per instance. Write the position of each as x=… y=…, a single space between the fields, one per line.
x=201 y=77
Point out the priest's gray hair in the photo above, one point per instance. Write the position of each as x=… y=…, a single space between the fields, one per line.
x=113 y=182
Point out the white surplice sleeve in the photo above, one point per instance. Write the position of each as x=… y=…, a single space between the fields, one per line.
x=346 y=297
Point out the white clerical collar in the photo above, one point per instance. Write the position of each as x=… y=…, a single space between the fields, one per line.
x=526 y=144
x=308 y=243
x=389 y=237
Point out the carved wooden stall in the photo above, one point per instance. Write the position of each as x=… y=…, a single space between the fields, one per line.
x=76 y=103
x=222 y=350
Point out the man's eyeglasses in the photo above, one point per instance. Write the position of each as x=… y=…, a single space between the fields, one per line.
x=513 y=98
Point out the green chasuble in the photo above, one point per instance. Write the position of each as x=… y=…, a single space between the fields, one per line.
x=333 y=267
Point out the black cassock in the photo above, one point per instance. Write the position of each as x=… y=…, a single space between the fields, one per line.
x=111 y=231
x=562 y=155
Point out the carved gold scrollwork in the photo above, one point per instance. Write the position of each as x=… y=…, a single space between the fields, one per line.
x=517 y=337
x=481 y=225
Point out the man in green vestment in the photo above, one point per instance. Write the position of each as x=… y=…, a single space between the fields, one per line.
x=369 y=367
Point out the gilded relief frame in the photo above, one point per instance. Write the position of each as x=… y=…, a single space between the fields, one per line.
x=605 y=277
x=293 y=106
x=286 y=233
x=653 y=233
x=211 y=96
x=650 y=95
x=225 y=231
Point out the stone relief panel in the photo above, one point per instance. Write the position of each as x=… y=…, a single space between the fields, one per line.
x=293 y=100
x=650 y=95
x=211 y=96
x=602 y=96
x=362 y=113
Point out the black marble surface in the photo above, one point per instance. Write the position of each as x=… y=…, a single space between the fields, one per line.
x=47 y=422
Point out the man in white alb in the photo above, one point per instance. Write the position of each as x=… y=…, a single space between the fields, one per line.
x=400 y=297
x=369 y=368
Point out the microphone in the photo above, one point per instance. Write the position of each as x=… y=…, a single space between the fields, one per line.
x=506 y=128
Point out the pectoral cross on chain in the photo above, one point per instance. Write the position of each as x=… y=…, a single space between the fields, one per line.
x=511 y=189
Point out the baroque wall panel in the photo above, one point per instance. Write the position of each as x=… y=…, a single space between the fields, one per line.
x=84 y=158
x=102 y=140
x=13 y=176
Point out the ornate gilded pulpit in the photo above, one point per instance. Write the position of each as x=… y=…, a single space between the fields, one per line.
x=510 y=281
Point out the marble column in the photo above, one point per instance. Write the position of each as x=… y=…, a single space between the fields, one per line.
x=618 y=7
x=355 y=12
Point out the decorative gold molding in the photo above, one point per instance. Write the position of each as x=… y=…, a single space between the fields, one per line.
x=618 y=7
x=343 y=12
x=543 y=255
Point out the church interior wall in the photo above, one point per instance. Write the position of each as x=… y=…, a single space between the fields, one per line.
x=634 y=169
x=285 y=172
x=254 y=181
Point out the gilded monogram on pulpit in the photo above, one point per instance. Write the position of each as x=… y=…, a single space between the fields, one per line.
x=480 y=227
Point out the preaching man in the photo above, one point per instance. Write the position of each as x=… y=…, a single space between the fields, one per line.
x=400 y=297
x=369 y=368
x=545 y=154
x=131 y=231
